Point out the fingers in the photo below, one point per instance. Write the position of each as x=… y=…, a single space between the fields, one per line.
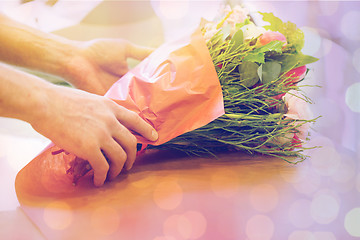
x=134 y=122
x=117 y=145
x=120 y=151
x=116 y=157
x=128 y=143
x=100 y=166
x=138 y=52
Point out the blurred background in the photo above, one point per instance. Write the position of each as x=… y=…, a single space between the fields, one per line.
x=332 y=30
x=332 y=33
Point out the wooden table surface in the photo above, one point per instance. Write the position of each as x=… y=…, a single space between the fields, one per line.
x=171 y=196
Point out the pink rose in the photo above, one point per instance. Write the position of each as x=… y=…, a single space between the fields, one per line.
x=298 y=109
x=270 y=36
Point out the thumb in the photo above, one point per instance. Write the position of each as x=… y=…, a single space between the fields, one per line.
x=138 y=52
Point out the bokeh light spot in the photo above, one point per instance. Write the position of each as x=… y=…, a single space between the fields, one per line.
x=105 y=220
x=309 y=184
x=346 y=171
x=299 y=214
x=259 y=227
x=326 y=47
x=312 y=41
x=350 y=25
x=324 y=208
x=171 y=227
x=190 y=225
x=352 y=97
x=58 y=215
x=352 y=222
x=168 y=194
x=184 y=227
x=197 y=222
x=325 y=160
x=264 y=197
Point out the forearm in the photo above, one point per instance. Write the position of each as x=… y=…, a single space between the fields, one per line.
x=23 y=46
x=22 y=95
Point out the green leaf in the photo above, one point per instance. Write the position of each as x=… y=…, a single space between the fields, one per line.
x=248 y=74
x=294 y=35
x=255 y=57
x=258 y=54
x=290 y=61
x=236 y=40
x=275 y=23
x=269 y=72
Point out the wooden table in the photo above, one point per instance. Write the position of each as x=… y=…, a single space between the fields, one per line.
x=237 y=196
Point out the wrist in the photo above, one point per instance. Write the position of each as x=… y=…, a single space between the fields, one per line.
x=62 y=57
x=73 y=66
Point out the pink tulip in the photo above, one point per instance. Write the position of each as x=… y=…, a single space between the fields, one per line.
x=270 y=36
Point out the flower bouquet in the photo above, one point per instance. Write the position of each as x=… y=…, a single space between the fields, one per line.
x=259 y=69
x=228 y=86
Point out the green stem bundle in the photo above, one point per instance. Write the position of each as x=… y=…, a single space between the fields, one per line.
x=255 y=120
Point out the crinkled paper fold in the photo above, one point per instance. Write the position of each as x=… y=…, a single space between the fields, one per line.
x=175 y=89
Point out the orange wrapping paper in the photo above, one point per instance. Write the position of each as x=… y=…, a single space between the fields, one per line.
x=176 y=89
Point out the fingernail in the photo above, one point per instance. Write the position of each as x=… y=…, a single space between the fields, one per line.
x=154 y=135
x=128 y=167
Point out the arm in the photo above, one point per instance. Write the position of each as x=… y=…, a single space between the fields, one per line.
x=92 y=66
x=27 y=47
x=79 y=122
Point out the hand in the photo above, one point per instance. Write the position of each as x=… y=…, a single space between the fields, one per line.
x=89 y=126
x=101 y=62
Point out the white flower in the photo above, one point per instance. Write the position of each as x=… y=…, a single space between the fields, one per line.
x=238 y=14
x=298 y=109
x=252 y=31
x=210 y=31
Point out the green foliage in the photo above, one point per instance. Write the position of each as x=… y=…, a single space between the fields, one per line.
x=251 y=76
x=248 y=74
x=269 y=72
x=258 y=54
x=294 y=35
